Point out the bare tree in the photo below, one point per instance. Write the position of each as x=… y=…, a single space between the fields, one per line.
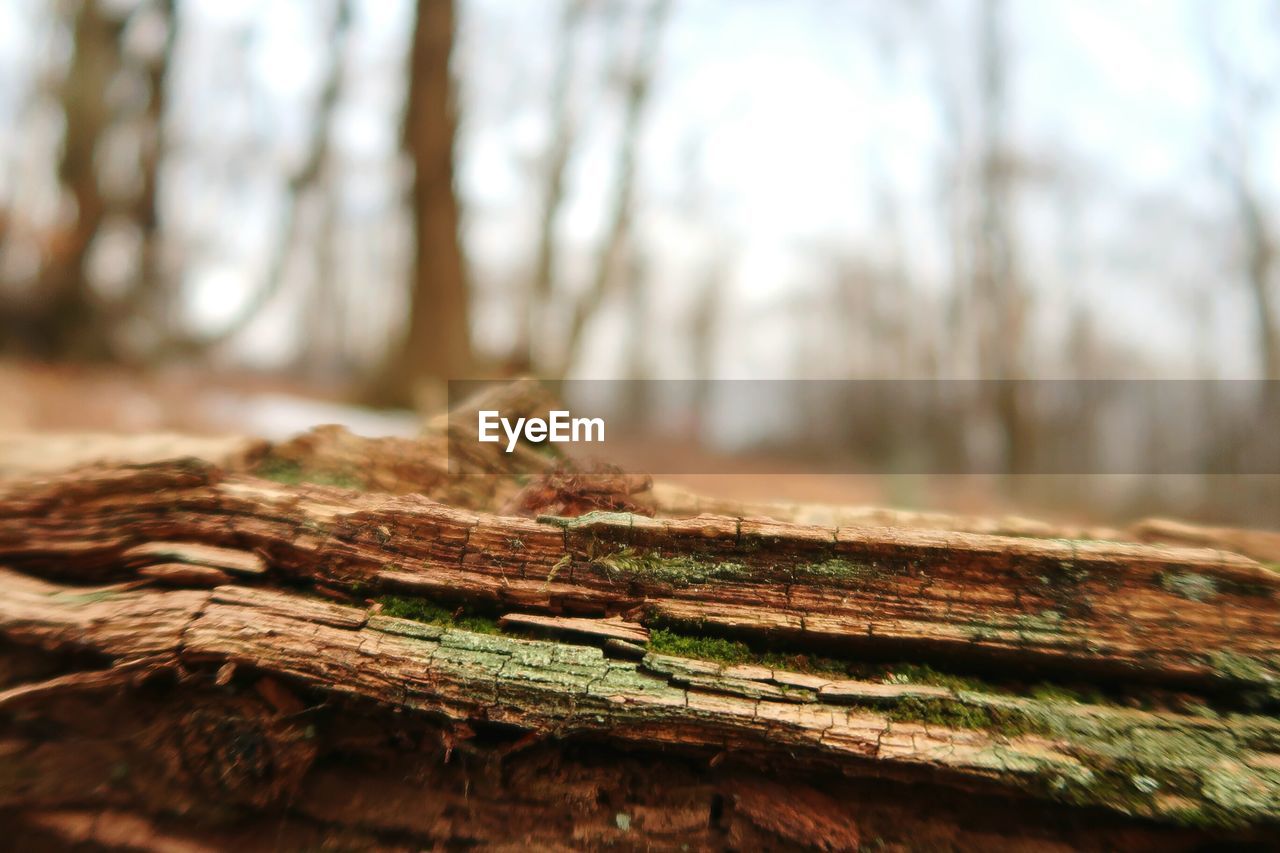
x=559 y=151
x=437 y=340
x=305 y=181
x=320 y=350
x=618 y=236
x=63 y=320
x=152 y=291
x=999 y=298
x=1241 y=104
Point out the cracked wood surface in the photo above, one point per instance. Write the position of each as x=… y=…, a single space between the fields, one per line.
x=1188 y=616
x=1072 y=754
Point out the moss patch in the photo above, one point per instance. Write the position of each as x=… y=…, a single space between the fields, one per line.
x=1189 y=585
x=432 y=613
x=679 y=571
x=835 y=569
x=683 y=640
x=715 y=649
x=290 y=473
x=957 y=713
x=670 y=641
x=1046 y=692
x=589 y=519
x=683 y=570
x=1259 y=677
x=1242 y=668
x=918 y=673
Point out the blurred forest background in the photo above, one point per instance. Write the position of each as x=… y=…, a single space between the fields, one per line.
x=378 y=195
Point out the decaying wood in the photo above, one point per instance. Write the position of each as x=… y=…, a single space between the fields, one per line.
x=553 y=689
x=381 y=780
x=182 y=641
x=1179 y=616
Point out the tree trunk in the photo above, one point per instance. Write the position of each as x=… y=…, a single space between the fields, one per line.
x=192 y=655
x=65 y=321
x=154 y=292
x=437 y=341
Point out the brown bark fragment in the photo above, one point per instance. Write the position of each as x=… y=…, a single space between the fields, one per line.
x=184 y=575
x=150 y=553
x=613 y=628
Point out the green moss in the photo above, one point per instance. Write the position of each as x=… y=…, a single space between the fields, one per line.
x=835 y=569
x=1044 y=622
x=590 y=519
x=91 y=597
x=679 y=571
x=670 y=640
x=1123 y=785
x=478 y=624
x=916 y=673
x=1164 y=775
x=717 y=649
x=1236 y=667
x=811 y=664
x=1189 y=585
x=958 y=713
x=417 y=609
x=682 y=570
x=290 y=473
x=428 y=611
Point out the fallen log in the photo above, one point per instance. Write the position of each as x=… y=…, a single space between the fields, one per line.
x=365 y=679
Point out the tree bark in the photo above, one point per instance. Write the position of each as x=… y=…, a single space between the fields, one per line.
x=181 y=647
x=437 y=342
